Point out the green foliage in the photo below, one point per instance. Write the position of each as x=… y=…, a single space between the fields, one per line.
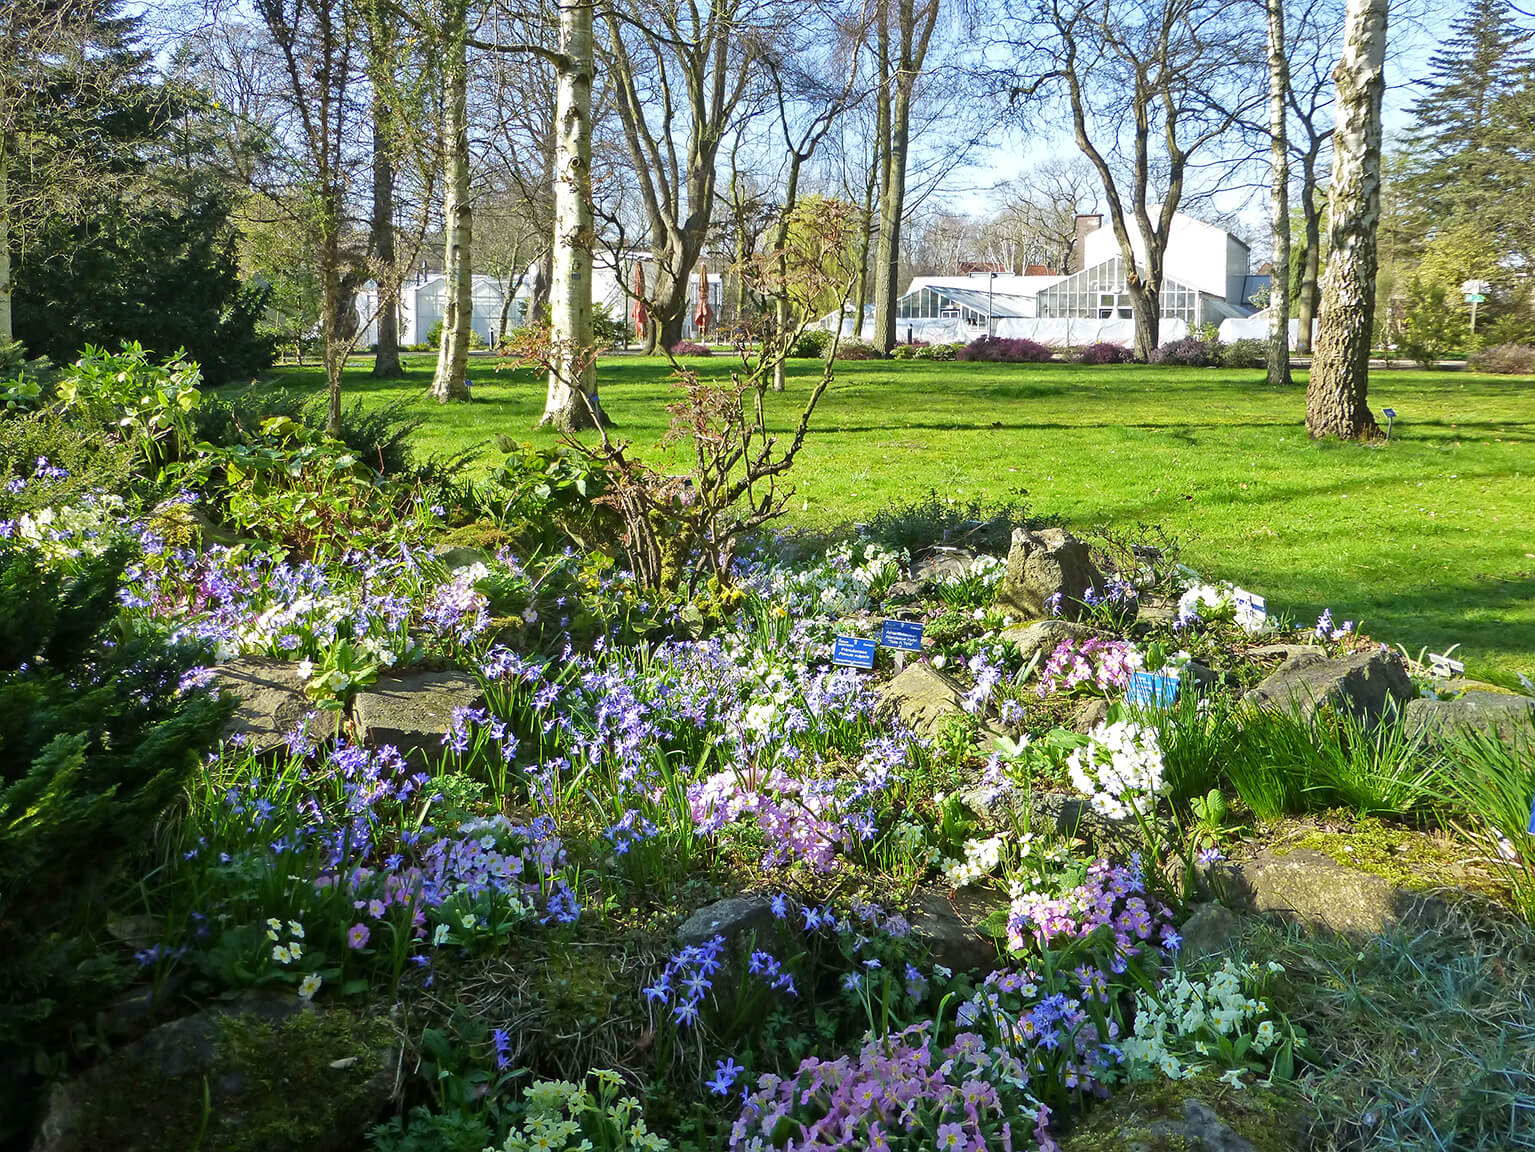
x=606 y=331
x=1249 y=353
x=919 y=523
x=145 y=404
x=25 y=383
x=434 y=337
x=813 y=343
x=1280 y=764
x=89 y=460
x=943 y=352
x=299 y=488
x=1490 y=779
x=96 y=739
x=1432 y=327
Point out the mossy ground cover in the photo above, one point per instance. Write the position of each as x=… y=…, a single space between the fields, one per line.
x=1429 y=540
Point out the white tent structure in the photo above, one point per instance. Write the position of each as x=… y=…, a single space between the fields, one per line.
x=1206 y=281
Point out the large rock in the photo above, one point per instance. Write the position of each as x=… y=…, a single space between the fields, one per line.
x=273 y=705
x=942 y=563
x=923 y=698
x=414 y=712
x=1495 y=714
x=1211 y=930
x=1042 y=566
x=950 y=926
x=732 y=917
x=276 y=1077
x=1043 y=637
x=1199 y=1115
x=1310 y=887
x=1366 y=685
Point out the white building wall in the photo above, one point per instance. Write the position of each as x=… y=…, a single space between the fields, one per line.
x=1199 y=254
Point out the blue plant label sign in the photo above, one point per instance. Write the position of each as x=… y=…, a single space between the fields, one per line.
x=1443 y=666
x=853 y=651
x=905 y=635
x=1532 y=819
x=1152 y=689
x=1389 y=413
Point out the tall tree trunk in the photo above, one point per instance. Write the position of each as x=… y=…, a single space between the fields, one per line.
x=451 y=381
x=892 y=207
x=1311 y=258
x=386 y=357
x=1146 y=301
x=7 y=333
x=861 y=294
x=332 y=350
x=1279 y=199
x=572 y=398
x=1336 y=398
x=780 y=239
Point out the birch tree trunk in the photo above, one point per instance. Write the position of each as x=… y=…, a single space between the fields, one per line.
x=1336 y=398
x=1279 y=200
x=451 y=381
x=6 y=332
x=1310 y=257
x=572 y=398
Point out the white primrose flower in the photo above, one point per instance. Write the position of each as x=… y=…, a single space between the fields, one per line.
x=308 y=986
x=1119 y=770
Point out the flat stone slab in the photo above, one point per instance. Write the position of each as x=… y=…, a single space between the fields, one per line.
x=1314 y=889
x=412 y=713
x=923 y=698
x=1493 y=714
x=949 y=926
x=273 y=705
x=1366 y=685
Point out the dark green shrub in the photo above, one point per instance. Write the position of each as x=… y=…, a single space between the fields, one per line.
x=25 y=383
x=855 y=349
x=1247 y=353
x=96 y=741
x=379 y=435
x=932 y=518
x=35 y=449
x=939 y=352
x=1431 y=327
x=907 y=351
x=813 y=343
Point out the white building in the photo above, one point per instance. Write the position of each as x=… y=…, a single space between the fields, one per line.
x=422 y=302
x=1206 y=279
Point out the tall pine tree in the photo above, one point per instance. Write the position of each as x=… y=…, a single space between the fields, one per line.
x=1460 y=135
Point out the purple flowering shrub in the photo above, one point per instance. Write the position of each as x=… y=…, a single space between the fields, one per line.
x=1103 y=353
x=1189 y=352
x=1005 y=350
x=1089 y=664
x=691 y=348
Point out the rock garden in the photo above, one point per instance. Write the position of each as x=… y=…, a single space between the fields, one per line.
x=347 y=804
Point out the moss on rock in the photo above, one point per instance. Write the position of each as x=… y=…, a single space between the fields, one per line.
x=1150 y=1116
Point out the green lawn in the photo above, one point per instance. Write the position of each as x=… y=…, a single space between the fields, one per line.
x=1429 y=540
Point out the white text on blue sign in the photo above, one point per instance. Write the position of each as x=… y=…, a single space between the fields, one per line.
x=853 y=651
x=905 y=635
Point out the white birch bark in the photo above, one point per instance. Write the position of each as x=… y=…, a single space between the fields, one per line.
x=1279 y=200
x=1336 y=397
x=451 y=380
x=572 y=397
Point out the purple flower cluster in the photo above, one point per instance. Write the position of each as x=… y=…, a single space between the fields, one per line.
x=901 y=1092
x=1092 y=663
x=798 y=816
x=1111 y=898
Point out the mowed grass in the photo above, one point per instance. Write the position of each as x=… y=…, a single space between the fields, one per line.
x=1427 y=541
